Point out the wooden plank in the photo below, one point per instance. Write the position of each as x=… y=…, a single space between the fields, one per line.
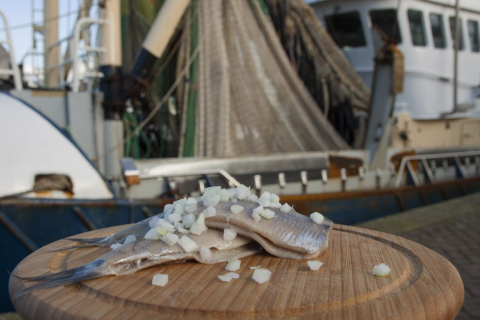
x=423 y=285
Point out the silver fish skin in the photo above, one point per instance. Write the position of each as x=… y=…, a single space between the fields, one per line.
x=288 y=235
x=142 y=254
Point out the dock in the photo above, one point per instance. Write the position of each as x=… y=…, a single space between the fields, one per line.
x=451 y=228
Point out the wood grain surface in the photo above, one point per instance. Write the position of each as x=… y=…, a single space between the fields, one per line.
x=422 y=285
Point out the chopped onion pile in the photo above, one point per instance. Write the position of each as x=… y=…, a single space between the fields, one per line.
x=314 y=265
x=160 y=280
x=381 y=270
x=261 y=275
x=187 y=216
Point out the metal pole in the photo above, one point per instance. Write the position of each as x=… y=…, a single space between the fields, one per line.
x=50 y=36
x=458 y=42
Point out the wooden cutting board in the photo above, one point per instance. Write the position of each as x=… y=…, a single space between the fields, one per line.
x=422 y=285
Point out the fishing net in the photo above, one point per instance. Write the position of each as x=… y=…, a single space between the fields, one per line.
x=260 y=77
x=242 y=95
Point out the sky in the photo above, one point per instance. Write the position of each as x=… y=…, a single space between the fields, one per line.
x=19 y=15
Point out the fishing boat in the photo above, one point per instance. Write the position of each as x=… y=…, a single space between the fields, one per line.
x=237 y=92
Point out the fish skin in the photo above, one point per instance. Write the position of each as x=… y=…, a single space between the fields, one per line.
x=291 y=231
x=142 y=254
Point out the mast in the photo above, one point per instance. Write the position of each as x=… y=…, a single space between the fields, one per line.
x=50 y=36
x=111 y=86
x=458 y=42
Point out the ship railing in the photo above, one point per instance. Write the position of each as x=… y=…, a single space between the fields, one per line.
x=427 y=164
x=13 y=71
x=75 y=49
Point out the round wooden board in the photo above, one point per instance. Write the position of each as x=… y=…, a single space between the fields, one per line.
x=422 y=285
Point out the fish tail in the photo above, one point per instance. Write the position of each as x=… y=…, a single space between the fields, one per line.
x=89 y=240
x=66 y=248
x=59 y=279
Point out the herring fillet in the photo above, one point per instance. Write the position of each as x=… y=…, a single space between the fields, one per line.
x=282 y=234
x=142 y=254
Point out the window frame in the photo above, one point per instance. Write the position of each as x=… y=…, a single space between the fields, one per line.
x=422 y=23
x=398 y=27
x=452 y=34
x=328 y=25
x=444 y=34
x=477 y=34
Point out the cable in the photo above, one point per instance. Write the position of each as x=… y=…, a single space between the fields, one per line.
x=25 y=25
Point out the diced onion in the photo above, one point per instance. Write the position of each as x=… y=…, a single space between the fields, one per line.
x=267 y=214
x=229 y=234
x=264 y=202
x=254 y=268
x=226 y=277
x=210 y=191
x=224 y=195
x=242 y=192
x=252 y=198
x=210 y=212
x=151 y=234
x=115 y=246
x=317 y=217
x=236 y=209
x=274 y=198
x=381 y=270
x=275 y=205
x=131 y=238
x=175 y=217
x=266 y=195
x=188 y=220
x=191 y=201
x=233 y=265
x=211 y=200
x=191 y=208
x=187 y=244
x=205 y=253
x=286 y=208
x=160 y=280
x=261 y=275
x=170 y=238
x=234 y=275
x=314 y=265
x=153 y=222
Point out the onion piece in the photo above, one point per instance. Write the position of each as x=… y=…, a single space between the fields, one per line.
x=317 y=217
x=381 y=270
x=115 y=246
x=314 y=265
x=187 y=244
x=234 y=275
x=229 y=234
x=131 y=238
x=286 y=208
x=226 y=277
x=205 y=253
x=151 y=234
x=267 y=214
x=233 y=265
x=262 y=275
x=160 y=280
x=255 y=268
x=236 y=209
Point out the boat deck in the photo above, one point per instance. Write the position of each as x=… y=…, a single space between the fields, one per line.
x=451 y=228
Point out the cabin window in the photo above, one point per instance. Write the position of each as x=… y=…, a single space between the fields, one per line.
x=417 y=30
x=387 y=21
x=452 y=31
x=438 y=30
x=474 y=36
x=346 y=29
